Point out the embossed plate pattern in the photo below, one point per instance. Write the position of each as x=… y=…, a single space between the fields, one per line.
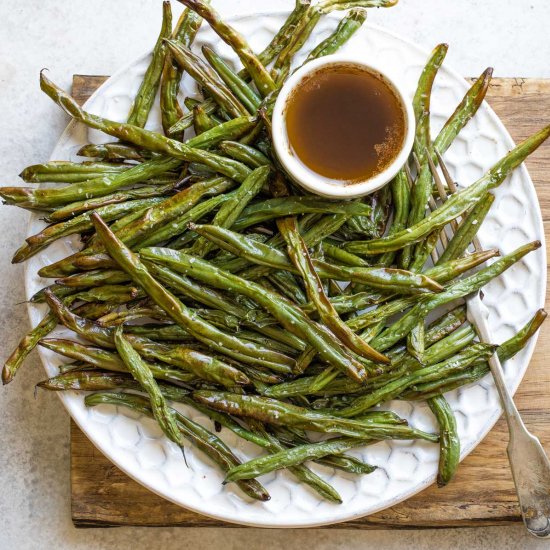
x=136 y=445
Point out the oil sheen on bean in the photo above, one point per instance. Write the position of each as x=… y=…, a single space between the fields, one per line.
x=345 y=123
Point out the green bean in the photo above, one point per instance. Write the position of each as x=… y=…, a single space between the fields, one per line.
x=305 y=27
x=144 y=138
x=244 y=153
x=283 y=35
x=113 y=151
x=79 y=224
x=509 y=348
x=287 y=285
x=201 y=121
x=179 y=225
x=347 y=27
x=290 y=206
x=230 y=36
x=416 y=341
x=244 y=93
x=421 y=101
x=143 y=102
x=458 y=290
x=116 y=318
x=199 y=363
x=265 y=338
x=232 y=129
x=208 y=107
x=269 y=53
x=115 y=294
x=346 y=303
x=279 y=413
x=298 y=252
x=423 y=251
x=304 y=385
x=94 y=278
x=323 y=379
x=292 y=318
x=80 y=207
x=74 y=366
x=206 y=441
x=203 y=331
x=422 y=189
x=151 y=221
x=200 y=293
x=292 y=457
x=461 y=116
x=436 y=388
x=263 y=254
x=342 y=462
x=323 y=228
x=457 y=203
x=261 y=438
x=86 y=328
x=342 y=256
x=403 y=364
x=300 y=471
x=207 y=78
x=93 y=380
x=93 y=311
x=61 y=171
x=445 y=325
x=110 y=361
x=86 y=380
x=213 y=298
x=27 y=344
x=58 y=290
x=466 y=231
x=464 y=111
x=312 y=235
x=141 y=372
x=449 y=442
x=95 y=261
x=401 y=204
x=445 y=348
x=505 y=351
x=232 y=208
x=160 y=333
x=452 y=269
x=459 y=362
x=26 y=197
x=184 y=33
x=304 y=360
x=228 y=422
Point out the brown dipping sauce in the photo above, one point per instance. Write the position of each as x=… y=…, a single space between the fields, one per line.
x=345 y=123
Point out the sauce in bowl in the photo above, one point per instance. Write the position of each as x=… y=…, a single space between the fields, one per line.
x=345 y=123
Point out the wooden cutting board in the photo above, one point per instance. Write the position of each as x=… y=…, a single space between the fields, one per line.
x=482 y=492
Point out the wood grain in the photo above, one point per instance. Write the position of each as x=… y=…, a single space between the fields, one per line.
x=481 y=494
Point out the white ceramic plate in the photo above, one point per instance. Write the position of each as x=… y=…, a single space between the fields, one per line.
x=136 y=445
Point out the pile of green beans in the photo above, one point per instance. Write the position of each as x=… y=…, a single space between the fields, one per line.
x=207 y=279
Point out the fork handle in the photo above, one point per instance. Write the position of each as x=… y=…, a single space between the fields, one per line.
x=531 y=473
x=528 y=461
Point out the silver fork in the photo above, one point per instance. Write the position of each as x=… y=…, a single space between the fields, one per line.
x=528 y=461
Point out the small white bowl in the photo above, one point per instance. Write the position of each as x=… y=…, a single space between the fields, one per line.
x=316 y=183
